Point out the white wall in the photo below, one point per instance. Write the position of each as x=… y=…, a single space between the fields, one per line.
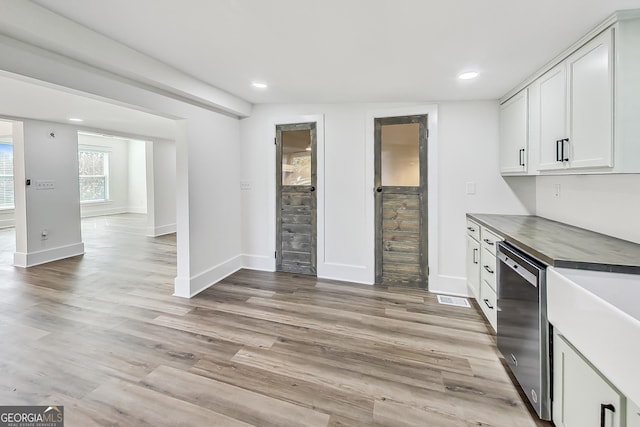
x=137 y=177
x=127 y=175
x=468 y=132
x=608 y=204
x=208 y=216
x=118 y=175
x=37 y=156
x=161 y=187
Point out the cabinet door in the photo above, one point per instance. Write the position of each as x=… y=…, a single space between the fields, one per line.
x=581 y=395
x=514 y=134
x=633 y=414
x=552 y=88
x=473 y=267
x=591 y=104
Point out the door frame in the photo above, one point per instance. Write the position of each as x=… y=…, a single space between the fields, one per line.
x=423 y=152
x=436 y=280
x=312 y=127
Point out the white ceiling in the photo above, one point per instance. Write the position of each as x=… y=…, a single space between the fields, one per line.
x=26 y=98
x=312 y=51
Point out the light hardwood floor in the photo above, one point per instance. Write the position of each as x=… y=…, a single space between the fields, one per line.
x=102 y=335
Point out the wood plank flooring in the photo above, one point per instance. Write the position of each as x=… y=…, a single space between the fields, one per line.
x=102 y=335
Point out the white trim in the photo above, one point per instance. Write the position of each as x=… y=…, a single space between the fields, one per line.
x=449 y=285
x=320 y=183
x=22 y=259
x=207 y=278
x=346 y=273
x=137 y=209
x=258 y=262
x=431 y=111
x=7 y=223
x=161 y=230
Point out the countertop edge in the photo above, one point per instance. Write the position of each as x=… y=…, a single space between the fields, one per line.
x=560 y=263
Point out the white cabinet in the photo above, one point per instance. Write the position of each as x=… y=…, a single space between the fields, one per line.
x=582 y=108
x=576 y=109
x=473 y=258
x=481 y=269
x=473 y=267
x=514 y=134
x=552 y=117
x=633 y=414
x=582 y=397
x=590 y=84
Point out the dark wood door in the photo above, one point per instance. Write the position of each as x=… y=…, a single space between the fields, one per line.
x=401 y=200
x=296 y=198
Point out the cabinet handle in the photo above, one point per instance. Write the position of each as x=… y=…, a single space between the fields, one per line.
x=603 y=409
x=565 y=156
x=486 y=301
x=488 y=242
x=521 y=157
x=475 y=259
x=471 y=229
x=486 y=267
x=558 y=150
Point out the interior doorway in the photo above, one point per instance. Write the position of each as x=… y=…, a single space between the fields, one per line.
x=401 y=220
x=296 y=202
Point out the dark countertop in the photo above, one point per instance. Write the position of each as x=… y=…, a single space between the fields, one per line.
x=563 y=245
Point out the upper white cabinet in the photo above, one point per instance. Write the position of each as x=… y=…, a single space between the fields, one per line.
x=576 y=109
x=514 y=134
x=582 y=109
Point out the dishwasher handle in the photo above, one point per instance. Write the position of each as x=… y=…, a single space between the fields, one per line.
x=512 y=263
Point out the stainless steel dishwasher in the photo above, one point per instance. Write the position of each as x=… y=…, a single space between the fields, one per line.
x=523 y=328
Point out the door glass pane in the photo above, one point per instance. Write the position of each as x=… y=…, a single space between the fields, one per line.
x=296 y=157
x=401 y=155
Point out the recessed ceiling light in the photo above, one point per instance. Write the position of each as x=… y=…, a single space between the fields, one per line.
x=259 y=85
x=468 y=75
x=75 y=119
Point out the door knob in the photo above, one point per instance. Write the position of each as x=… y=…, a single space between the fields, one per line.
x=379 y=189
x=312 y=188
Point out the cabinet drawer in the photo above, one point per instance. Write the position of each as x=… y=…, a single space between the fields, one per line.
x=488 y=268
x=488 y=303
x=489 y=240
x=473 y=229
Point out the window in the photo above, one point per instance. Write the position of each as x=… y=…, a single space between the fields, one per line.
x=94 y=175
x=6 y=175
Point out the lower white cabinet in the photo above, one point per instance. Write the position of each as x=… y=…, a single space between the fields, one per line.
x=488 y=301
x=582 y=397
x=633 y=414
x=481 y=269
x=473 y=266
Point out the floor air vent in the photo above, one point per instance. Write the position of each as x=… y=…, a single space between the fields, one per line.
x=457 y=301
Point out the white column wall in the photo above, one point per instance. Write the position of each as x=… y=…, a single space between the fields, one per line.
x=136 y=178
x=40 y=157
x=161 y=187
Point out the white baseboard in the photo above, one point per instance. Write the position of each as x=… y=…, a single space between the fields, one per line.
x=6 y=223
x=345 y=272
x=91 y=212
x=24 y=259
x=258 y=262
x=449 y=285
x=161 y=230
x=137 y=209
x=188 y=288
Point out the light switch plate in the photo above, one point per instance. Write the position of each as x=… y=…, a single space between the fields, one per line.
x=45 y=185
x=471 y=188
